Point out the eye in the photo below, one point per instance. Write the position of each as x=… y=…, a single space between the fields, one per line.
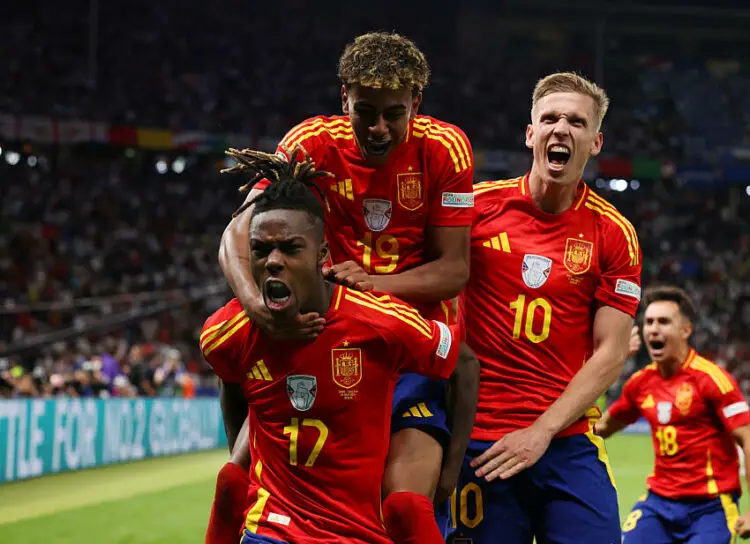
x=394 y=115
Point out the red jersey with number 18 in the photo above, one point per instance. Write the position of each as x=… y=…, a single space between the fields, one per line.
x=320 y=411
x=380 y=217
x=692 y=415
x=536 y=282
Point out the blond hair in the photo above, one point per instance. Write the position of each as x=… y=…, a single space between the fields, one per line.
x=569 y=82
x=384 y=60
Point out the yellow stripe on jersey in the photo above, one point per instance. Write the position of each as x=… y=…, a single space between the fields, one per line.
x=217 y=330
x=457 y=148
x=632 y=244
x=603 y=203
x=337 y=133
x=711 y=486
x=714 y=372
x=385 y=301
x=601 y=451
x=258 y=470
x=385 y=311
x=241 y=323
x=495 y=185
x=307 y=126
x=340 y=290
x=490 y=183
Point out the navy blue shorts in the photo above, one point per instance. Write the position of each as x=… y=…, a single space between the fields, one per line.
x=659 y=520
x=420 y=403
x=567 y=497
x=252 y=538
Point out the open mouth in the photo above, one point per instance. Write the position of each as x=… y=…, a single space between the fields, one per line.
x=278 y=296
x=377 y=148
x=656 y=347
x=558 y=156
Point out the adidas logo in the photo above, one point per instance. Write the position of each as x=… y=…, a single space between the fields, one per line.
x=344 y=188
x=648 y=403
x=499 y=242
x=418 y=410
x=259 y=372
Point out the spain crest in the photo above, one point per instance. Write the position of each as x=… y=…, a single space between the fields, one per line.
x=302 y=391
x=377 y=213
x=578 y=255
x=410 y=190
x=684 y=398
x=346 y=365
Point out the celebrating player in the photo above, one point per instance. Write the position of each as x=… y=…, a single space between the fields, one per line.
x=696 y=413
x=398 y=219
x=548 y=310
x=319 y=409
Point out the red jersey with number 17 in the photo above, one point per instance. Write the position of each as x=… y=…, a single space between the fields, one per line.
x=692 y=415
x=320 y=411
x=380 y=217
x=536 y=282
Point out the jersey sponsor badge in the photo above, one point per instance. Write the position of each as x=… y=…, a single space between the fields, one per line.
x=302 y=390
x=377 y=213
x=409 y=189
x=458 y=200
x=446 y=339
x=346 y=365
x=664 y=412
x=628 y=288
x=684 y=398
x=535 y=270
x=578 y=255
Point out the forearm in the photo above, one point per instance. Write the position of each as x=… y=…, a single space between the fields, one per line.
x=607 y=425
x=464 y=389
x=593 y=379
x=234 y=258
x=233 y=410
x=746 y=453
x=434 y=281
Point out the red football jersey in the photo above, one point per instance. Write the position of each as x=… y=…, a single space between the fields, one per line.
x=528 y=309
x=691 y=414
x=320 y=411
x=378 y=217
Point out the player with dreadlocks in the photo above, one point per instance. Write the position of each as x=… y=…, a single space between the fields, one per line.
x=398 y=215
x=320 y=431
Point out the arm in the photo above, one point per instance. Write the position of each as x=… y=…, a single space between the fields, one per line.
x=612 y=330
x=607 y=425
x=742 y=436
x=233 y=409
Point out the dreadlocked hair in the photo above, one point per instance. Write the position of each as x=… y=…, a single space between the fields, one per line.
x=292 y=181
x=384 y=60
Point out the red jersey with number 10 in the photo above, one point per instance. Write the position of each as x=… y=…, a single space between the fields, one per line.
x=536 y=282
x=379 y=217
x=320 y=411
x=692 y=415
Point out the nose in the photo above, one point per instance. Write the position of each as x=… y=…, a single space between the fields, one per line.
x=379 y=129
x=275 y=262
x=562 y=126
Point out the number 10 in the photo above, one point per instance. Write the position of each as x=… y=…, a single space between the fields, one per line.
x=519 y=305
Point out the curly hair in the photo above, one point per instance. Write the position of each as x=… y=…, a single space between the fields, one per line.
x=384 y=60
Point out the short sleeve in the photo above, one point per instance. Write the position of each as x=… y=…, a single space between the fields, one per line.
x=224 y=341
x=620 y=280
x=625 y=409
x=451 y=176
x=429 y=348
x=724 y=395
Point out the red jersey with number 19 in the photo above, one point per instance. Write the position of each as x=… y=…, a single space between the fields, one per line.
x=692 y=415
x=380 y=217
x=528 y=309
x=320 y=411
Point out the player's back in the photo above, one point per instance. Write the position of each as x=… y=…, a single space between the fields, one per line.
x=691 y=415
x=528 y=309
x=379 y=216
x=320 y=411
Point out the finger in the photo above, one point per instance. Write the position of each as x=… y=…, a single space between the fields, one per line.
x=363 y=286
x=512 y=470
x=494 y=463
x=313 y=318
x=343 y=267
x=495 y=449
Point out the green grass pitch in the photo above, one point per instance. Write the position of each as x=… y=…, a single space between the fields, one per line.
x=168 y=500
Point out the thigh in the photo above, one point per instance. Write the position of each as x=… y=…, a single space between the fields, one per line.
x=413 y=464
x=645 y=525
x=714 y=523
x=577 y=498
x=489 y=512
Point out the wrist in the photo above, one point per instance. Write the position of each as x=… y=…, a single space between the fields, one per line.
x=546 y=426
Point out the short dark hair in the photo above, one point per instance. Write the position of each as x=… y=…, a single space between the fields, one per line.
x=674 y=294
x=291 y=181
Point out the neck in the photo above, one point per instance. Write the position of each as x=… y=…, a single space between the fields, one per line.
x=320 y=301
x=551 y=197
x=669 y=367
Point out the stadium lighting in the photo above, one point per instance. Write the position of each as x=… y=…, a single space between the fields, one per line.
x=161 y=166
x=178 y=165
x=1 y=150
x=130 y=152
x=32 y=161
x=747 y=190
x=600 y=183
x=635 y=184
x=12 y=158
x=618 y=185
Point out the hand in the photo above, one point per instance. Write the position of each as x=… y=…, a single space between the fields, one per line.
x=742 y=525
x=513 y=453
x=302 y=327
x=446 y=484
x=350 y=274
x=635 y=341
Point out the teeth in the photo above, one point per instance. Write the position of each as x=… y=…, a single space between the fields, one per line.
x=559 y=149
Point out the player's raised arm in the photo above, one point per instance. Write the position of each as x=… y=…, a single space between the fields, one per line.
x=621 y=413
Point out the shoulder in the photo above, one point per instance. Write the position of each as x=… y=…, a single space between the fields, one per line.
x=444 y=139
x=389 y=316
x=609 y=217
x=643 y=375
x=710 y=374
x=316 y=133
x=224 y=325
x=501 y=189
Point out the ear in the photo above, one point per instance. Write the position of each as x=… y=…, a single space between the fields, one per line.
x=344 y=99
x=687 y=329
x=530 y=136
x=596 y=147
x=415 y=103
x=323 y=253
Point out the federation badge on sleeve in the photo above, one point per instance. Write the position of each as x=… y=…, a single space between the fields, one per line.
x=664 y=412
x=302 y=390
x=578 y=255
x=410 y=190
x=377 y=213
x=535 y=270
x=684 y=398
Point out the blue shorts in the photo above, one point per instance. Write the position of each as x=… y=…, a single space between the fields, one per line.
x=252 y=538
x=420 y=403
x=567 y=497
x=659 y=520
